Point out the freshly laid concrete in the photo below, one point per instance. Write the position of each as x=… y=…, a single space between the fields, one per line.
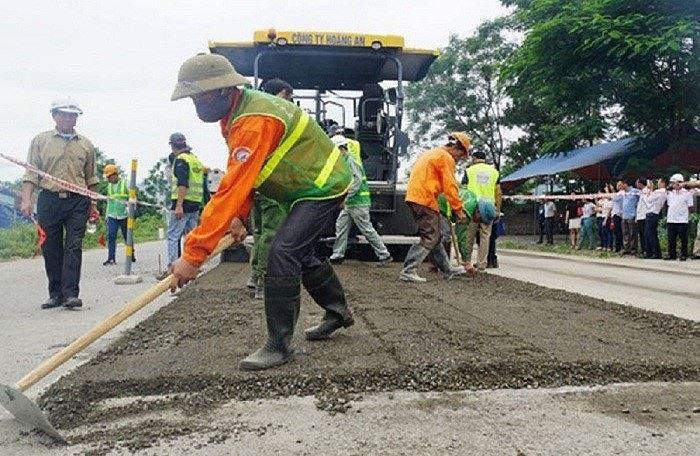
x=404 y=380
x=483 y=333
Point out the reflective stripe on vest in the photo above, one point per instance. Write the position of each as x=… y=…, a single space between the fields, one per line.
x=482 y=180
x=282 y=150
x=117 y=191
x=195 y=189
x=362 y=197
x=305 y=165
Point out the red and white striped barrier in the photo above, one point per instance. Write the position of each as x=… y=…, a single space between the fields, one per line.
x=67 y=185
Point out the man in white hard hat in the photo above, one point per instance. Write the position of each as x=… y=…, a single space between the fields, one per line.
x=679 y=201
x=67 y=155
x=356 y=208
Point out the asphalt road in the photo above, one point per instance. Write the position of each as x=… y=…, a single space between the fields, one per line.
x=671 y=287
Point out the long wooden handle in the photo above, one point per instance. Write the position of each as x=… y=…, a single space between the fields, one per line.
x=105 y=326
x=455 y=243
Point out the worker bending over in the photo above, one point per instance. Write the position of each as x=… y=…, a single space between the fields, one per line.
x=433 y=174
x=277 y=150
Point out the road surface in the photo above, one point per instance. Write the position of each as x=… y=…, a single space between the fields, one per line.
x=671 y=287
x=29 y=334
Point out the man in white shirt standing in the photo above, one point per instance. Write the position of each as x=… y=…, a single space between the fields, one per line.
x=617 y=214
x=679 y=202
x=641 y=215
x=550 y=210
x=655 y=200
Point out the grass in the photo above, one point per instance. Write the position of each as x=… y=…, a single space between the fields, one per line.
x=562 y=248
x=20 y=240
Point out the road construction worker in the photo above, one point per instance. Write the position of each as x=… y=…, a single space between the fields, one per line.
x=62 y=214
x=482 y=179
x=117 y=190
x=433 y=174
x=186 y=193
x=356 y=206
x=278 y=150
x=479 y=211
x=267 y=214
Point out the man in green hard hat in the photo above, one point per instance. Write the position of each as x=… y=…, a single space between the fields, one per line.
x=276 y=149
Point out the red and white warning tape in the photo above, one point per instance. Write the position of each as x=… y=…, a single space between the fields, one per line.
x=567 y=197
x=67 y=185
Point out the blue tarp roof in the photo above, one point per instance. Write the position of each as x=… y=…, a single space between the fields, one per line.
x=574 y=159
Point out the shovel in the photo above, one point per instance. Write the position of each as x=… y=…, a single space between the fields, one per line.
x=24 y=409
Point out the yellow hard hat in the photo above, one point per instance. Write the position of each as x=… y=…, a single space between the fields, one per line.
x=110 y=169
x=462 y=138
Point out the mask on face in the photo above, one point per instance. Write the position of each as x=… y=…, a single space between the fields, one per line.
x=215 y=110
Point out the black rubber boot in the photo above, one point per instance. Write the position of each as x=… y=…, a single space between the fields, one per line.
x=282 y=302
x=325 y=288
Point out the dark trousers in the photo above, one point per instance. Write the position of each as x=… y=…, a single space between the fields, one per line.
x=492 y=258
x=676 y=230
x=601 y=235
x=292 y=250
x=651 y=235
x=540 y=224
x=617 y=232
x=640 y=234
x=549 y=229
x=629 y=234
x=63 y=220
x=113 y=226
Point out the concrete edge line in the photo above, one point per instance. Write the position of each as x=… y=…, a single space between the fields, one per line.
x=563 y=257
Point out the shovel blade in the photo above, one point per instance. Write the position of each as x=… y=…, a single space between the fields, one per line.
x=26 y=411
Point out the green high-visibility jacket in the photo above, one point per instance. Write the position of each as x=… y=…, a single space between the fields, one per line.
x=306 y=165
x=195 y=190
x=118 y=191
x=482 y=181
x=362 y=197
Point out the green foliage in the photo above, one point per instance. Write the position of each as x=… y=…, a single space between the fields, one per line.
x=20 y=240
x=588 y=69
x=155 y=188
x=464 y=91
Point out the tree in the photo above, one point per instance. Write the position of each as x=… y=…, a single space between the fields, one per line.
x=156 y=188
x=464 y=90
x=591 y=68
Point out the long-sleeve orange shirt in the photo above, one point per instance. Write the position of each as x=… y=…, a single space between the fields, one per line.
x=250 y=140
x=432 y=174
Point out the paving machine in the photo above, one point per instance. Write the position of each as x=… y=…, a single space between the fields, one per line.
x=357 y=82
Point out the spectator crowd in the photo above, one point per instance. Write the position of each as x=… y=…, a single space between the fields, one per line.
x=626 y=219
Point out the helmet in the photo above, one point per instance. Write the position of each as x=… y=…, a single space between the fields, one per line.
x=110 y=169
x=678 y=177
x=66 y=105
x=462 y=138
x=203 y=73
x=339 y=140
x=335 y=129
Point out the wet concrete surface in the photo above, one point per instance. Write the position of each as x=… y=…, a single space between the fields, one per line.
x=467 y=334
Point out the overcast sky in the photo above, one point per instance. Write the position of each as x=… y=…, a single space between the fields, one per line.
x=119 y=60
